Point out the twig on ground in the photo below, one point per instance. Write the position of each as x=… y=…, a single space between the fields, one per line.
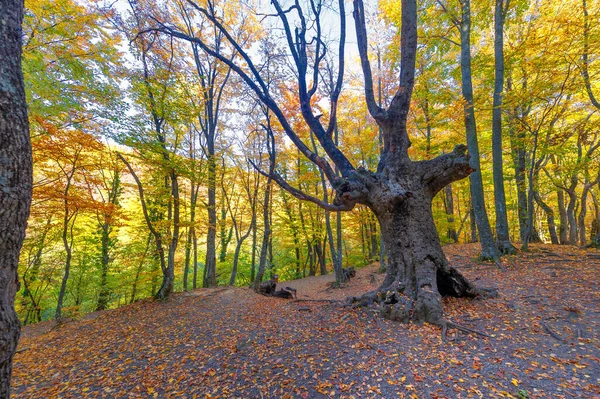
x=551 y=332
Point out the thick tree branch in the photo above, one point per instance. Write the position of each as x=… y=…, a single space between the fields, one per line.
x=445 y=169
x=281 y=182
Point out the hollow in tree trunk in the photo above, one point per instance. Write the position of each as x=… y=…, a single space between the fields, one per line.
x=417 y=274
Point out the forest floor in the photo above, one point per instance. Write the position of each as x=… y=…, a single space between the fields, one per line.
x=232 y=343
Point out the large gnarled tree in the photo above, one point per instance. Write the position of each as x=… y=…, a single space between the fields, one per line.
x=400 y=191
x=15 y=180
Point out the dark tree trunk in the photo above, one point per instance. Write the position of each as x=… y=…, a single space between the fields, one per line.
x=488 y=246
x=502 y=236
x=158 y=238
x=15 y=181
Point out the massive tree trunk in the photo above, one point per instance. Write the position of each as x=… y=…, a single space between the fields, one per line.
x=417 y=274
x=488 y=246
x=502 y=237
x=15 y=181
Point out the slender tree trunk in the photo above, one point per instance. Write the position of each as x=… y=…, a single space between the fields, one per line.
x=236 y=257
x=224 y=235
x=103 y=297
x=266 y=207
x=321 y=256
x=195 y=246
x=583 y=213
x=573 y=236
x=190 y=234
x=518 y=153
x=254 y=242
x=15 y=181
x=67 y=239
x=262 y=262
x=502 y=236
x=169 y=276
x=488 y=246
x=563 y=221
x=474 y=237
x=372 y=225
x=210 y=265
x=449 y=206
x=106 y=226
x=139 y=270
x=549 y=217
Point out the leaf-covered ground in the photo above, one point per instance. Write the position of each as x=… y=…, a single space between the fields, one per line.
x=232 y=343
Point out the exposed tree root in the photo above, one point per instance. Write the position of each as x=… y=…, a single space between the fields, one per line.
x=448 y=324
x=393 y=304
x=319 y=300
x=506 y=248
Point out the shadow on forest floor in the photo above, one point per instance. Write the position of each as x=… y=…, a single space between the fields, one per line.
x=232 y=343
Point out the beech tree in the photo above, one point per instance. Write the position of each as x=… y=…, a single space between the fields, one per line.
x=400 y=191
x=15 y=180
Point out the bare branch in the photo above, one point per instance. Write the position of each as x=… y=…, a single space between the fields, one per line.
x=281 y=182
x=361 y=37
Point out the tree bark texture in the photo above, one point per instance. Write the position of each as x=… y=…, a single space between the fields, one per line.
x=15 y=180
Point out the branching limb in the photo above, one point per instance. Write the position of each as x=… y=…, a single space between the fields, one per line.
x=445 y=169
x=302 y=195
